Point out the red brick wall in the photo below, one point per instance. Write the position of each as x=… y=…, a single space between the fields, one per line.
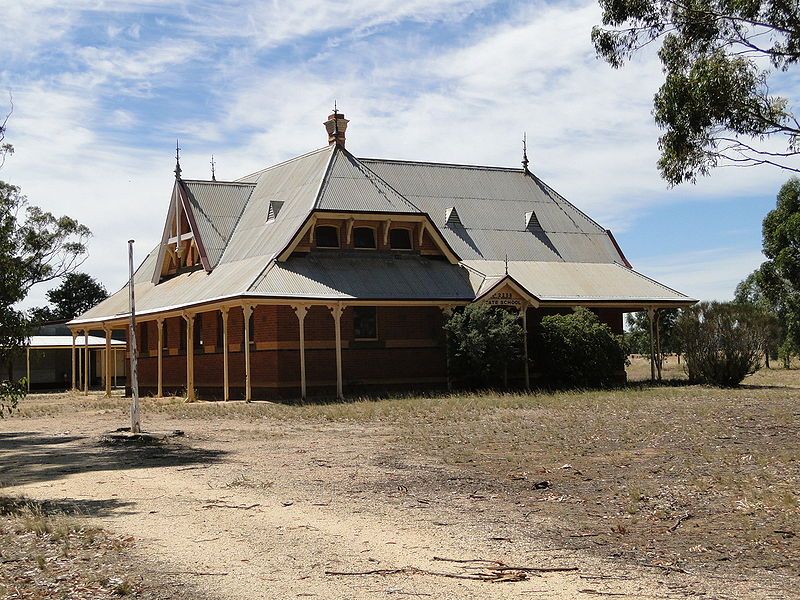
x=409 y=350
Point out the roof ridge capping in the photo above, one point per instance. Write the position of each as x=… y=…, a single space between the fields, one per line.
x=441 y=164
x=219 y=182
x=280 y=164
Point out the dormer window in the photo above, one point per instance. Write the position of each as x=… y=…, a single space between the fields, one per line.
x=364 y=237
x=400 y=238
x=327 y=236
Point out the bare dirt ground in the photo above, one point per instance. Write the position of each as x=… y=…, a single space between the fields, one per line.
x=663 y=492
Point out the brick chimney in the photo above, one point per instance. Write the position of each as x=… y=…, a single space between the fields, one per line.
x=336 y=125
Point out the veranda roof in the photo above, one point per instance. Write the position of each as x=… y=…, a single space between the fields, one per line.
x=573 y=282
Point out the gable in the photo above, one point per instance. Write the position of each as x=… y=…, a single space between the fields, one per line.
x=181 y=247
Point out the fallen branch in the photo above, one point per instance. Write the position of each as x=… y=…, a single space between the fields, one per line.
x=415 y=571
x=680 y=520
x=211 y=573
x=668 y=568
x=237 y=506
x=500 y=566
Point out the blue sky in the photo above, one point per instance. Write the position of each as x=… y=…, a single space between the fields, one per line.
x=102 y=89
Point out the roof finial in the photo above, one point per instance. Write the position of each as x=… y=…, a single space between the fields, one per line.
x=506 y=263
x=525 y=160
x=213 y=174
x=335 y=120
x=177 y=160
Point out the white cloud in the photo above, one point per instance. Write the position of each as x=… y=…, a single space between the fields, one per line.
x=466 y=100
x=123 y=119
x=123 y=65
x=269 y=24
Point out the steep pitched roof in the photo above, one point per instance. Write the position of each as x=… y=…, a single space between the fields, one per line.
x=485 y=214
x=297 y=184
x=217 y=207
x=350 y=186
x=492 y=203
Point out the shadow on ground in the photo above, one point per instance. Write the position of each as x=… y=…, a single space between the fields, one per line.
x=72 y=507
x=30 y=457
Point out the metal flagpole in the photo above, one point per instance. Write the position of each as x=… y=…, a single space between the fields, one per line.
x=136 y=426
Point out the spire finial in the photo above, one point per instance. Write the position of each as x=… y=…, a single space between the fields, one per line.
x=335 y=119
x=177 y=160
x=506 y=263
x=213 y=165
x=525 y=160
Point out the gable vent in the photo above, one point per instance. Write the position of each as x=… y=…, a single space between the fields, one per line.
x=532 y=221
x=274 y=208
x=451 y=218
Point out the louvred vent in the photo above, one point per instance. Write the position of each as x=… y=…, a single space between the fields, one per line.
x=532 y=222
x=451 y=218
x=274 y=208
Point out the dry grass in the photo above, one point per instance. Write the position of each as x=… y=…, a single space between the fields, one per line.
x=46 y=554
x=669 y=475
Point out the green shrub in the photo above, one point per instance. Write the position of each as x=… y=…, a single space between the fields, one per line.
x=11 y=392
x=577 y=350
x=484 y=343
x=723 y=342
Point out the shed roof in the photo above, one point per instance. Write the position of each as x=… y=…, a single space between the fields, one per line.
x=42 y=342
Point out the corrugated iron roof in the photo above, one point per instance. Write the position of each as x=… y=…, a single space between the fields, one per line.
x=217 y=207
x=568 y=257
x=492 y=203
x=65 y=341
x=350 y=186
x=296 y=183
x=370 y=276
x=570 y=281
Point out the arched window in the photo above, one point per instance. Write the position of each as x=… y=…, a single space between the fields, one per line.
x=400 y=239
x=363 y=237
x=327 y=236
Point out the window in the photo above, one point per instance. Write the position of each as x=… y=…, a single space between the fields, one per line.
x=363 y=237
x=327 y=236
x=251 y=327
x=198 y=331
x=182 y=340
x=400 y=239
x=144 y=345
x=164 y=332
x=365 y=323
x=220 y=331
